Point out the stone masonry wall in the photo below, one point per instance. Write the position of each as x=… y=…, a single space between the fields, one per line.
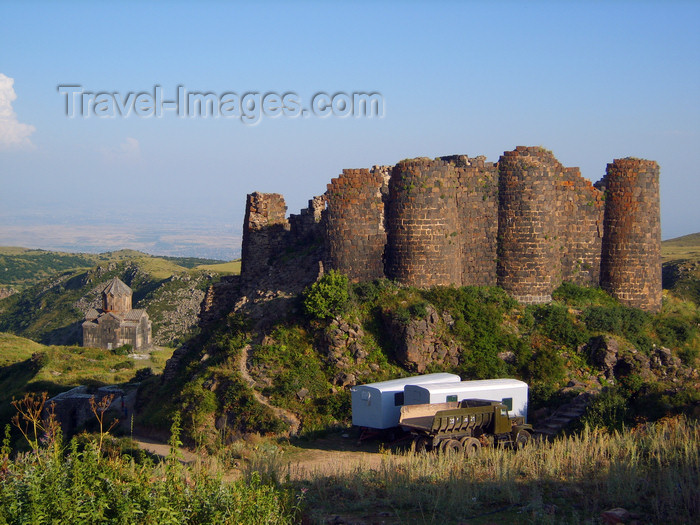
x=528 y=266
x=306 y=226
x=423 y=245
x=477 y=202
x=631 y=251
x=264 y=229
x=579 y=213
x=355 y=235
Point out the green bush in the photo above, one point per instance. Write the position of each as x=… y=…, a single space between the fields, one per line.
x=124 y=365
x=327 y=297
x=419 y=310
x=674 y=331
x=244 y=413
x=608 y=410
x=581 y=296
x=370 y=291
x=631 y=323
x=544 y=365
x=122 y=350
x=557 y=324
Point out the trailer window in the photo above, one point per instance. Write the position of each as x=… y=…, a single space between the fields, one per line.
x=508 y=402
x=398 y=399
x=451 y=398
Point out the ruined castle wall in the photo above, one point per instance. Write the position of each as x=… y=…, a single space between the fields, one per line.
x=423 y=227
x=355 y=234
x=529 y=266
x=579 y=214
x=477 y=199
x=306 y=227
x=264 y=229
x=631 y=251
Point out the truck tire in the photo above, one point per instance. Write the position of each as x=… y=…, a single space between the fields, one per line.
x=450 y=445
x=471 y=446
x=522 y=438
x=421 y=445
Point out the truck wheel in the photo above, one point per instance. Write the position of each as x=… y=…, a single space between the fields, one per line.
x=421 y=445
x=450 y=445
x=471 y=446
x=522 y=438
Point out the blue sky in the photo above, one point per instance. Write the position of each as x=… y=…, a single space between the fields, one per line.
x=592 y=81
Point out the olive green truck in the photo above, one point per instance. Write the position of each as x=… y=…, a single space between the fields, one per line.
x=465 y=425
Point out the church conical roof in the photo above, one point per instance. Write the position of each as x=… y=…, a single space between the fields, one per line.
x=116 y=287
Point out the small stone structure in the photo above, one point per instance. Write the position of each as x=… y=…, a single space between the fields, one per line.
x=525 y=223
x=117 y=323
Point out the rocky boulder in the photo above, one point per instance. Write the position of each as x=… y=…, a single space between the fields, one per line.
x=421 y=340
x=343 y=344
x=603 y=352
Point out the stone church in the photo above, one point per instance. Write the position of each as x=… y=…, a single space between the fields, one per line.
x=116 y=324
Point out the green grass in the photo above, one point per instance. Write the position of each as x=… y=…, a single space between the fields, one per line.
x=686 y=247
x=26 y=366
x=226 y=268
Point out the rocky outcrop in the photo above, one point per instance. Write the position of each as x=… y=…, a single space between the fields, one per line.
x=421 y=341
x=6 y=292
x=174 y=308
x=614 y=361
x=603 y=352
x=343 y=346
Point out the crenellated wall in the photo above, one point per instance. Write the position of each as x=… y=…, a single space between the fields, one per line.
x=631 y=248
x=526 y=223
x=423 y=245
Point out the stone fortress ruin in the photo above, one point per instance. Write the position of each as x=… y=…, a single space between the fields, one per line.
x=525 y=223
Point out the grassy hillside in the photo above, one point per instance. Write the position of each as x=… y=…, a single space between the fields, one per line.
x=681 y=266
x=50 y=306
x=21 y=268
x=27 y=366
x=686 y=247
x=304 y=363
x=227 y=268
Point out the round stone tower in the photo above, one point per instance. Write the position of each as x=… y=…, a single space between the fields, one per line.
x=355 y=235
x=528 y=267
x=423 y=245
x=631 y=254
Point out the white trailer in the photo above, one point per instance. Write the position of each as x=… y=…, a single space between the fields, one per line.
x=510 y=392
x=378 y=405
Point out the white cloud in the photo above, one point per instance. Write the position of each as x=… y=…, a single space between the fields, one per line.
x=127 y=151
x=13 y=134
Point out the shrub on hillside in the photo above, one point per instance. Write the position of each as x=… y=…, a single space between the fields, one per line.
x=327 y=297
x=581 y=296
x=631 y=323
x=122 y=350
x=557 y=324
